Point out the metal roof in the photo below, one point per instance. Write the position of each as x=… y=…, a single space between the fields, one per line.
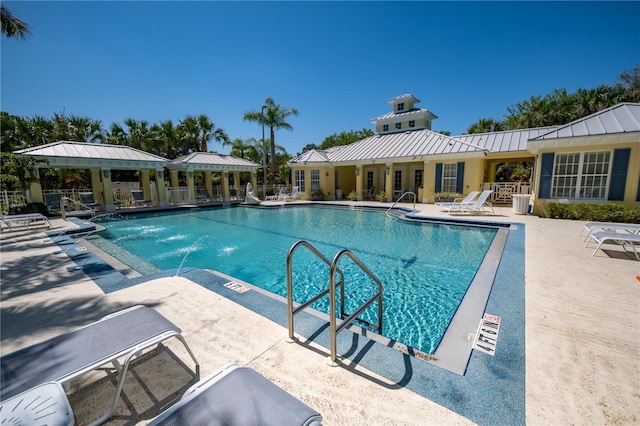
x=405 y=114
x=400 y=145
x=212 y=161
x=91 y=155
x=621 y=118
x=402 y=98
x=507 y=141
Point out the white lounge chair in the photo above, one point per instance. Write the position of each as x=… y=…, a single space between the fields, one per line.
x=238 y=396
x=623 y=239
x=478 y=206
x=23 y=220
x=609 y=227
x=124 y=334
x=294 y=193
x=448 y=205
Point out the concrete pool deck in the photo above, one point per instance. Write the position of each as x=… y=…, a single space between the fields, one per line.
x=582 y=334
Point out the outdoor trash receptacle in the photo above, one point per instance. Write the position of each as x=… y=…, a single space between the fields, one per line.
x=521 y=203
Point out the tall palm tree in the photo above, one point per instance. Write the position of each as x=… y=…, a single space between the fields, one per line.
x=40 y=130
x=205 y=130
x=275 y=116
x=485 y=125
x=85 y=129
x=139 y=133
x=11 y=26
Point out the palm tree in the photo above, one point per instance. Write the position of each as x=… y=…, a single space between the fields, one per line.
x=241 y=147
x=85 y=129
x=204 y=130
x=11 y=26
x=40 y=130
x=138 y=134
x=276 y=118
x=485 y=125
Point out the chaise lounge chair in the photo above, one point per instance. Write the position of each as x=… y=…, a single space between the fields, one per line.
x=620 y=238
x=455 y=204
x=124 y=334
x=138 y=198
x=238 y=396
x=477 y=206
x=609 y=227
x=23 y=220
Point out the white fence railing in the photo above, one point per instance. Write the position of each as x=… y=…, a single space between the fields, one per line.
x=503 y=191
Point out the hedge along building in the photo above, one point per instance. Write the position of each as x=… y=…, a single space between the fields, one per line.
x=101 y=159
x=404 y=155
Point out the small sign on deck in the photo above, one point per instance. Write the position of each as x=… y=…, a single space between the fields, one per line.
x=236 y=287
x=487 y=335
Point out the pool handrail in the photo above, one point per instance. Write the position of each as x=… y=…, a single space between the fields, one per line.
x=291 y=311
x=347 y=319
x=401 y=197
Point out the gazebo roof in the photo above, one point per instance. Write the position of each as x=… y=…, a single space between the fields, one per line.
x=209 y=161
x=67 y=154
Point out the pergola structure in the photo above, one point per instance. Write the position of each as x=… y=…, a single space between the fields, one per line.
x=101 y=159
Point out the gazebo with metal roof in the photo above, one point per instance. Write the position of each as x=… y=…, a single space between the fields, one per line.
x=209 y=163
x=99 y=159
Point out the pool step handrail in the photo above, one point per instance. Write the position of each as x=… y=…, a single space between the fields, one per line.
x=334 y=329
x=66 y=203
x=291 y=310
x=334 y=284
x=401 y=197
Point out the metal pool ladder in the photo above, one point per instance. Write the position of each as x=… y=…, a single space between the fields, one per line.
x=347 y=319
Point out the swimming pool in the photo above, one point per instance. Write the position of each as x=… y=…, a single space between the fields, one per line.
x=426 y=268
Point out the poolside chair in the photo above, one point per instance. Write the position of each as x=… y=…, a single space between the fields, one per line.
x=138 y=198
x=87 y=200
x=370 y=194
x=609 y=227
x=52 y=201
x=238 y=396
x=202 y=195
x=277 y=196
x=294 y=193
x=623 y=239
x=477 y=206
x=455 y=204
x=124 y=334
x=23 y=220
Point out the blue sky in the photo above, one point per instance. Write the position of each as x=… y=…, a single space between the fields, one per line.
x=338 y=63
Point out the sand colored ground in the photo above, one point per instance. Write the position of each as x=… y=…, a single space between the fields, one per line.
x=582 y=336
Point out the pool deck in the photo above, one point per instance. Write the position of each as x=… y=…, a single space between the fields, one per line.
x=582 y=335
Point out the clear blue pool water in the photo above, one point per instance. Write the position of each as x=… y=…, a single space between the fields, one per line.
x=425 y=268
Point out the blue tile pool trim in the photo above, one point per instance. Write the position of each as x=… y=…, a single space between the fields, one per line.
x=491 y=392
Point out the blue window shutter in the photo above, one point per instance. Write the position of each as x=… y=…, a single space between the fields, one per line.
x=546 y=173
x=619 y=174
x=638 y=194
x=460 y=178
x=438 y=177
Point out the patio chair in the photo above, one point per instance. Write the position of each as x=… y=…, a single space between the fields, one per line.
x=202 y=195
x=52 y=201
x=477 y=206
x=608 y=227
x=623 y=239
x=455 y=204
x=138 y=198
x=62 y=358
x=23 y=220
x=239 y=396
x=294 y=193
x=370 y=194
x=276 y=197
x=87 y=200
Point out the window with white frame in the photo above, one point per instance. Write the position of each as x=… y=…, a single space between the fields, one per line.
x=418 y=179
x=315 y=179
x=401 y=106
x=398 y=126
x=412 y=123
x=397 y=180
x=449 y=177
x=581 y=175
x=299 y=180
x=369 y=179
x=385 y=127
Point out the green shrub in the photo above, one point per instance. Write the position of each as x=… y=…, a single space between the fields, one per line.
x=594 y=212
